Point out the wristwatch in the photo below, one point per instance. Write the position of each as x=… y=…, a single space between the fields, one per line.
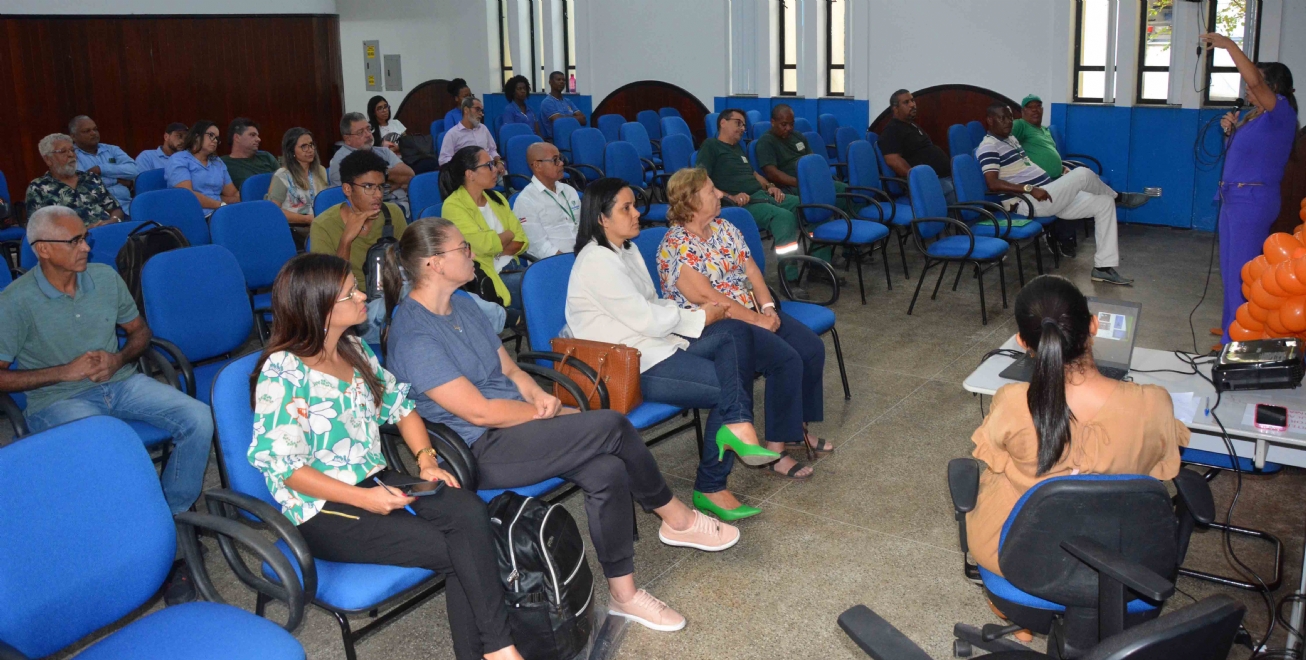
x=1029 y=188
x=418 y=457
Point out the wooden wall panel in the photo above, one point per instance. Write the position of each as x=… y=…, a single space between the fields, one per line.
x=136 y=74
x=424 y=104
x=938 y=108
x=1293 y=188
x=630 y=99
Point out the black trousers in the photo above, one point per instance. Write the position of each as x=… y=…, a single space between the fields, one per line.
x=600 y=452
x=450 y=535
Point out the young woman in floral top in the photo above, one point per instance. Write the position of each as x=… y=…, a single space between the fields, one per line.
x=319 y=396
x=705 y=260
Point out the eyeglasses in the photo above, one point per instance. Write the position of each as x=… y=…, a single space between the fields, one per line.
x=211 y=136
x=362 y=132
x=349 y=296
x=465 y=248
x=383 y=107
x=370 y=188
x=556 y=160
x=477 y=167
x=73 y=242
x=63 y=152
x=736 y=121
x=309 y=146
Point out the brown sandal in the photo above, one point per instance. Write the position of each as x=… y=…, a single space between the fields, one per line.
x=791 y=473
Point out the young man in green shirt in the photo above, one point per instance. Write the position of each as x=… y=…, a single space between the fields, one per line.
x=245 y=159
x=727 y=164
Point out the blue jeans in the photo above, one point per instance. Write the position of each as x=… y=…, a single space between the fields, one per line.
x=792 y=359
x=143 y=399
x=712 y=373
x=512 y=280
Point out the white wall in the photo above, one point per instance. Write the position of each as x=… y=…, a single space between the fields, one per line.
x=162 y=7
x=1292 y=42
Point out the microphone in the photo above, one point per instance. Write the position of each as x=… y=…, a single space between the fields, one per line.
x=1238 y=103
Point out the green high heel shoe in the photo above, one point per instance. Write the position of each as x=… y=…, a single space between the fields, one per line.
x=750 y=454
x=727 y=515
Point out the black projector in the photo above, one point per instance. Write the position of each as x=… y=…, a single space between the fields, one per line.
x=1264 y=364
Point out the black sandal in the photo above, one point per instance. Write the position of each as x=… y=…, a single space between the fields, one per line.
x=822 y=447
x=791 y=473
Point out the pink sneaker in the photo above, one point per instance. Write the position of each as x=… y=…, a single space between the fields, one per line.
x=706 y=533
x=647 y=611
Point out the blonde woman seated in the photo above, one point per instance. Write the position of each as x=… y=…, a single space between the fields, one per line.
x=704 y=260
x=688 y=358
x=1069 y=419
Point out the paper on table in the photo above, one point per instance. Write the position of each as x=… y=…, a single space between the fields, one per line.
x=1185 y=406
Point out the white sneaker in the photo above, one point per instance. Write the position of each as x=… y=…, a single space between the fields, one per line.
x=647 y=611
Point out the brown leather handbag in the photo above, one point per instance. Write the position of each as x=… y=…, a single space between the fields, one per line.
x=617 y=366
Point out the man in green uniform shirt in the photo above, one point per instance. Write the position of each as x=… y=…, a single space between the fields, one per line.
x=1035 y=138
x=727 y=164
x=245 y=159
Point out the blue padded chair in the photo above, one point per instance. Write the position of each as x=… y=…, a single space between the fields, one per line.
x=802 y=125
x=544 y=298
x=433 y=211
x=709 y=123
x=196 y=301
x=837 y=169
x=339 y=588
x=436 y=128
x=751 y=150
x=587 y=148
x=26 y=256
x=510 y=131
x=439 y=140
x=649 y=242
x=652 y=123
x=424 y=191
x=864 y=177
x=674 y=125
x=73 y=564
x=255 y=233
x=817 y=316
x=959 y=142
x=977 y=131
x=107 y=241
x=519 y=170
x=990 y=218
x=635 y=134
x=844 y=136
x=1076 y=160
x=624 y=164
x=328 y=197
x=828 y=126
x=931 y=219
x=9 y=236
x=821 y=222
x=174 y=207
x=149 y=181
x=753 y=116
x=757 y=130
x=610 y=125
x=563 y=127
x=677 y=154
x=668 y=112
x=256 y=187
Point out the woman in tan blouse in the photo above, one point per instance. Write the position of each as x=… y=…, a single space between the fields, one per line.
x=1068 y=420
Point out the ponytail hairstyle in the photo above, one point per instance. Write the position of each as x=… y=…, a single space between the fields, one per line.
x=303 y=296
x=463 y=160
x=420 y=241
x=1053 y=320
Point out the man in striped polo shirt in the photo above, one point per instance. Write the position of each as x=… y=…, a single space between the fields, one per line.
x=1077 y=194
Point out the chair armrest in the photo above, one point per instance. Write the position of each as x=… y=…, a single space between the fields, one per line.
x=571 y=169
x=510 y=177
x=8 y=652
x=906 y=187
x=1111 y=564
x=174 y=354
x=189 y=521
x=952 y=221
x=837 y=214
x=871 y=199
x=1195 y=495
x=579 y=167
x=455 y=452
x=883 y=195
x=1082 y=157
x=156 y=360
x=963 y=483
x=815 y=263
x=977 y=208
x=15 y=414
x=582 y=368
x=564 y=382
x=1022 y=197
x=224 y=503
x=648 y=164
x=877 y=637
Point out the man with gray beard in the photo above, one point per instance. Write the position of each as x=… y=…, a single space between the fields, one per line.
x=65 y=185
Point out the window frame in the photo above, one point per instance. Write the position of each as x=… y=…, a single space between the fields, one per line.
x=1079 y=66
x=1209 y=64
x=780 y=52
x=830 y=66
x=505 y=65
x=569 y=64
x=1142 y=59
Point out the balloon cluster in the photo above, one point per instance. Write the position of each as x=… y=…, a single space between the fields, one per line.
x=1274 y=285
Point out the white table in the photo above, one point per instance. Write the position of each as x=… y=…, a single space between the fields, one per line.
x=1287 y=447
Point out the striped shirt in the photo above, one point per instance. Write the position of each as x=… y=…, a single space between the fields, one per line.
x=1008 y=159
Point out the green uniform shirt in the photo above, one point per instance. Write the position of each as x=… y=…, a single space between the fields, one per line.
x=243 y=168
x=43 y=327
x=324 y=236
x=728 y=166
x=783 y=154
x=1039 y=146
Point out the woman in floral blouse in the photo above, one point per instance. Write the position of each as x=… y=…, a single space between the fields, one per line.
x=319 y=396
x=705 y=260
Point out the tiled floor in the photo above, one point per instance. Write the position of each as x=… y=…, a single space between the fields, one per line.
x=874 y=525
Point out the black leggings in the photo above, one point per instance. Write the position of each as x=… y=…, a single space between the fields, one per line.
x=449 y=535
x=600 y=452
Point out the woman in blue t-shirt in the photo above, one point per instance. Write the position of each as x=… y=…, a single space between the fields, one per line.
x=198 y=169
x=516 y=91
x=1256 y=154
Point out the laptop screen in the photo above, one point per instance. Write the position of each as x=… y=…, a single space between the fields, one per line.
x=1117 y=325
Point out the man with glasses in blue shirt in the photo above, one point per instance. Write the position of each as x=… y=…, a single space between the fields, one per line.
x=357 y=136
x=113 y=165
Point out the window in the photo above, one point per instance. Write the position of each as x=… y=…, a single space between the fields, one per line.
x=1155 y=37
x=788 y=48
x=1091 y=33
x=537 y=76
x=1238 y=20
x=510 y=24
x=835 y=35
x=569 y=43
x=505 y=48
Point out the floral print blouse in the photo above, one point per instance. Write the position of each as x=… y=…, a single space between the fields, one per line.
x=720 y=258
x=291 y=197
x=307 y=417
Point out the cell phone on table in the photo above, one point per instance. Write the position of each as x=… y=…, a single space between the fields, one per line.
x=1272 y=418
x=422 y=488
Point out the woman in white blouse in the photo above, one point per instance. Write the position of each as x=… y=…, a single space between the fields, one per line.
x=689 y=358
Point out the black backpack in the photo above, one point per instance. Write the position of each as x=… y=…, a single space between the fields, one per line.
x=546 y=578
x=143 y=242
x=374 y=263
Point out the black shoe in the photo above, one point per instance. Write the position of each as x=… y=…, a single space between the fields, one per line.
x=1110 y=276
x=1052 y=244
x=1130 y=200
x=179 y=588
x=1068 y=249
x=823 y=275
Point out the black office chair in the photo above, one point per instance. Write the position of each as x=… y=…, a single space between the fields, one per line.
x=1202 y=631
x=1083 y=557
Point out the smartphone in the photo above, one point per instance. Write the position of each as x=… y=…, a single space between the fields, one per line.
x=424 y=488
x=1274 y=418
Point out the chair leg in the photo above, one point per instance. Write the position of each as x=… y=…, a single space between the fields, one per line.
x=957 y=280
x=1002 y=281
x=261 y=604
x=843 y=373
x=984 y=309
x=919 y=282
x=1038 y=259
x=861 y=285
x=347 y=636
x=884 y=252
x=1020 y=265
x=935 y=295
x=902 y=252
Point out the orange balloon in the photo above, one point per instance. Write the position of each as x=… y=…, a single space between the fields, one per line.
x=1271 y=282
x=1293 y=314
x=1239 y=333
x=1300 y=233
x=1246 y=320
x=1263 y=298
x=1302 y=213
x=1287 y=278
x=1259 y=313
x=1256 y=266
x=1297 y=254
x=1279 y=247
x=1274 y=325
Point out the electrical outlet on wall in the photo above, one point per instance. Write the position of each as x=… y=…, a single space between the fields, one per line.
x=1152 y=192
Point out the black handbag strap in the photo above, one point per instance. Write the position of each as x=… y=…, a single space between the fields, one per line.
x=387 y=231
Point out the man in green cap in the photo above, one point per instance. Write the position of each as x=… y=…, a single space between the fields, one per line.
x=1036 y=138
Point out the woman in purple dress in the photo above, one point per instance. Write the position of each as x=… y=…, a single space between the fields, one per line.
x=1257 y=153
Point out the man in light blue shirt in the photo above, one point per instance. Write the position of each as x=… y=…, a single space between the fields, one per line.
x=554 y=106
x=155 y=159
x=114 y=166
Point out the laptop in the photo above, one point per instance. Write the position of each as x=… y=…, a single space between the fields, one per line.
x=1113 y=347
